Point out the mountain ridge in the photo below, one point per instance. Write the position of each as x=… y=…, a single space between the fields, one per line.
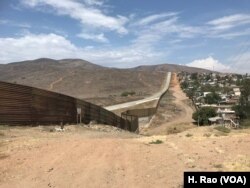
x=86 y=80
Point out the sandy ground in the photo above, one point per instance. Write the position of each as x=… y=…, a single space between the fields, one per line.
x=80 y=157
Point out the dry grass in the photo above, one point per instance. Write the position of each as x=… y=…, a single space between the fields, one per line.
x=218 y=166
x=173 y=130
x=189 y=135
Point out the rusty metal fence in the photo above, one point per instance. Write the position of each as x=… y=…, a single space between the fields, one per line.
x=24 y=105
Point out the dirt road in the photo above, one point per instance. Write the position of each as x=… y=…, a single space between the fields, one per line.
x=85 y=158
x=181 y=101
x=184 y=111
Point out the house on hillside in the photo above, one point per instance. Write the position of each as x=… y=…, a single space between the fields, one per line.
x=225 y=116
x=206 y=93
x=236 y=91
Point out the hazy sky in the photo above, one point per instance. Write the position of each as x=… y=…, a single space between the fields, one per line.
x=127 y=33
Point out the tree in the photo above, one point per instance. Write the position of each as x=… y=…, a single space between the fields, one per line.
x=208 y=77
x=194 y=76
x=209 y=88
x=242 y=112
x=202 y=115
x=212 y=98
x=184 y=85
x=245 y=93
x=190 y=93
x=243 y=108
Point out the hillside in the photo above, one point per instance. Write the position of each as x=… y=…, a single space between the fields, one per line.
x=85 y=80
x=171 y=68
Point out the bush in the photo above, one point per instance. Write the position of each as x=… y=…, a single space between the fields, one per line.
x=173 y=130
x=127 y=93
x=202 y=115
x=245 y=123
x=184 y=85
x=188 y=135
x=156 y=142
x=223 y=129
x=212 y=98
x=218 y=166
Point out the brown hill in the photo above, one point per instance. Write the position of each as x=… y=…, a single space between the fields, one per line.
x=82 y=79
x=171 y=68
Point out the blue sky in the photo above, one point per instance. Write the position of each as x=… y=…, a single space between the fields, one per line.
x=118 y=33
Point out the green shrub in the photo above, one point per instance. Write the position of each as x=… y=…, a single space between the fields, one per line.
x=212 y=98
x=156 y=142
x=202 y=115
x=127 y=93
x=223 y=129
x=245 y=123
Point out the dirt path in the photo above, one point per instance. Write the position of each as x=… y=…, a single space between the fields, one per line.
x=51 y=86
x=183 y=115
x=181 y=101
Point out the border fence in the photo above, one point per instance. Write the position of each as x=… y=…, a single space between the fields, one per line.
x=24 y=105
x=145 y=112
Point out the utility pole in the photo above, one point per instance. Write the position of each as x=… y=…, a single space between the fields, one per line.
x=198 y=121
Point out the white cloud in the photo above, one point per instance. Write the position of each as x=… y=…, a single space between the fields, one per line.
x=55 y=46
x=35 y=46
x=154 y=17
x=209 y=63
x=94 y=2
x=166 y=30
x=167 y=26
x=231 y=35
x=97 y=38
x=231 y=21
x=4 y=21
x=88 y=15
x=241 y=62
x=14 y=24
x=31 y=46
x=157 y=28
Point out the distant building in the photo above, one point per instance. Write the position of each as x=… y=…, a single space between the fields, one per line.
x=206 y=93
x=237 y=91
